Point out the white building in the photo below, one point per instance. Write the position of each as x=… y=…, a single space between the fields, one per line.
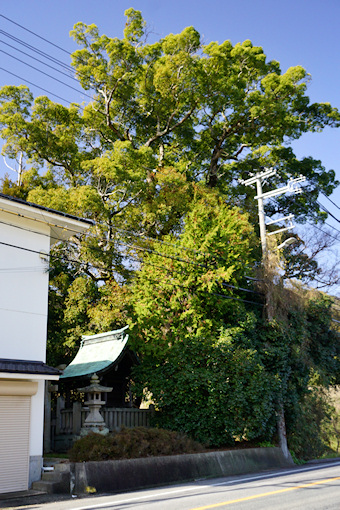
x=26 y=233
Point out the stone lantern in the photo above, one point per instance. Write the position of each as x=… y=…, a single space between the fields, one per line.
x=94 y=422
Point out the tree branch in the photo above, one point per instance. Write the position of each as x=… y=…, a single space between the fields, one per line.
x=169 y=129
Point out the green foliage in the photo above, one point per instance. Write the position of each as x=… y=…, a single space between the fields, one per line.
x=331 y=429
x=165 y=116
x=302 y=353
x=180 y=290
x=214 y=112
x=227 y=385
x=12 y=189
x=307 y=438
x=265 y=444
x=216 y=393
x=132 y=444
x=323 y=340
x=155 y=160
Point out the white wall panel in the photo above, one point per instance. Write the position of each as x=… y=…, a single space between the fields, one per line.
x=24 y=288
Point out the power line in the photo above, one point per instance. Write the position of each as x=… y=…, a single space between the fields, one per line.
x=38 y=86
x=23 y=248
x=327 y=211
x=37 y=50
x=195 y=291
x=53 y=256
x=132 y=245
x=240 y=288
x=70 y=70
x=46 y=74
x=47 y=56
x=149 y=250
x=38 y=60
x=35 y=34
x=22 y=311
x=25 y=80
x=331 y=226
x=119 y=242
x=33 y=269
x=237 y=299
x=170 y=271
x=38 y=221
x=166 y=243
x=164 y=283
x=331 y=201
x=174 y=271
x=324 y=232
x=112 y=241
x=141 y=248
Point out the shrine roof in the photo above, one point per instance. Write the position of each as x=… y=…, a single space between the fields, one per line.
x=97 y=353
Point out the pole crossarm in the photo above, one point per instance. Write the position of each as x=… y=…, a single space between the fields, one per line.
x=280 y=230
x=259 y=175
x=283 y=229
x=290 y=188
x=289 y=217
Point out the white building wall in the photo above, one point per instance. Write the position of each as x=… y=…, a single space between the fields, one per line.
x=24 y=288
x=25 y=236
x=36 y=433
x=23 y=310
x=37 y=420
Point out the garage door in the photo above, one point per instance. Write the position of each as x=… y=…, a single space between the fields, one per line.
x=14 y=443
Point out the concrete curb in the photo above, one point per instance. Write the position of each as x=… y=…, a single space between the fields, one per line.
x=323 y=461
x=132 y=474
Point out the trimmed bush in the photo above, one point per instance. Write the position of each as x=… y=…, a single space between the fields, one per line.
x=132 y=444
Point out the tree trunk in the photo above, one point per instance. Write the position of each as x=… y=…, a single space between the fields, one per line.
x=281 y=429
x=212 y=174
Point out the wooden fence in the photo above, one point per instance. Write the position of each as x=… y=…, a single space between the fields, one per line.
x=70 y=421
x=63 y=426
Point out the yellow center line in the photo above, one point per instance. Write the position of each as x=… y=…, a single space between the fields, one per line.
x=225 y=503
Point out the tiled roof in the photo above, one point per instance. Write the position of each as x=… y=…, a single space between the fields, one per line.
x=27 y=367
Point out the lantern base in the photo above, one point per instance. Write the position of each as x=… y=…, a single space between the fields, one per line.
x=97 y=429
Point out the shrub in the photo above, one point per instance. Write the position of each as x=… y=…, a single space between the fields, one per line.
x=131 y=444
x=215 y=393
x=307 y=438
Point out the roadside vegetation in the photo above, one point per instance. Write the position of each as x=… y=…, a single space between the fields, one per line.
x=156 y=159
x=132 y=444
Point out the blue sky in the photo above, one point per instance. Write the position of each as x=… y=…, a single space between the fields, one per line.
x=294 y=32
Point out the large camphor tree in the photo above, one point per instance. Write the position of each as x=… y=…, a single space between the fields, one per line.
x=171 y=128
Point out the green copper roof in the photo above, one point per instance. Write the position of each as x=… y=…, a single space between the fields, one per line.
x=96 y=353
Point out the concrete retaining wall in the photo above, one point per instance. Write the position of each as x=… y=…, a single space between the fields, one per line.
x=132 y=474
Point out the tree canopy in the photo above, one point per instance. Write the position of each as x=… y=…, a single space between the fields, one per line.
x=164 y=116
x=155 y=158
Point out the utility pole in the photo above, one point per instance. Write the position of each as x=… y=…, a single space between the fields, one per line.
x=291 y=187
x=258 y=178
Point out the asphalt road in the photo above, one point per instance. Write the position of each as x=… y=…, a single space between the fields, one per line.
x=310 y=487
